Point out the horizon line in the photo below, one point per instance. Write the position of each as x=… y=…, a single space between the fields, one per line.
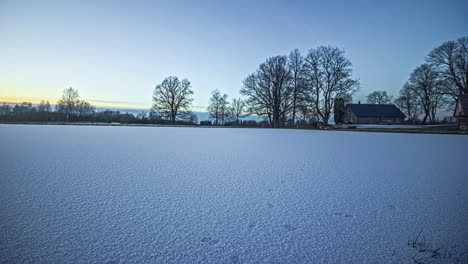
x=110 y=104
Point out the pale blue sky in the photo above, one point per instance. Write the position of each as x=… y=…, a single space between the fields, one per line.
x=115 y=52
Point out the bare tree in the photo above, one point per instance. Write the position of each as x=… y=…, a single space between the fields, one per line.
x=236 y=110
x=67 y=104
x=44 y=109
x=329 y=76
x=451 y=60
x=84 y=109
x=44 y=106
x=268 y=90
x=424 y=83
x=171 y=98
x=218 y=107
x=296 y=66
x=408 y=103
x=379 y=97
x=5 y=109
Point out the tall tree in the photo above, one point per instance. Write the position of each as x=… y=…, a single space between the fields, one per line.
x=329 y=76
x=236 y=110
x=268 y=90
x=5 y=109
x=408 y=103
x=296 y=66
x=84 y=109
x=172 y=97
x=218 y=107
x=424 y=83
x=451 y=60
x=68 y=101
x=379 y=97
x=44 y=106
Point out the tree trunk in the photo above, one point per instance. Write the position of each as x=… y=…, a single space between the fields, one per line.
x=426 y=114
x=325 y=120
x=294 y=111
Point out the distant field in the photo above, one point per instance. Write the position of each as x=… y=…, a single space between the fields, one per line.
x=99 y=194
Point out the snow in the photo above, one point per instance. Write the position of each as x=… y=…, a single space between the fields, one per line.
x=84 y=194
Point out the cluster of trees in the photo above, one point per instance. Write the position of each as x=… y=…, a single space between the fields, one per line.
x=223 y=112
x=285 y=88
x=436 y=84
x=71 y=106
x=68 y=108
x=173 y=97
x=25 y=112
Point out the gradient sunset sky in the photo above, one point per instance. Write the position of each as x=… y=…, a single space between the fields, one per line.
x=115 y=52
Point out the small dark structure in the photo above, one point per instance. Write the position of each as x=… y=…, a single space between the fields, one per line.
x=373 y=114
x=461 y=112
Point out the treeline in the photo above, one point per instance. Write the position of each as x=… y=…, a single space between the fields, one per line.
x=71 y=109
x=68 y=108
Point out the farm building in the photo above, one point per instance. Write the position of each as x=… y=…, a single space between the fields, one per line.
x=461 y=111
x=373 y=114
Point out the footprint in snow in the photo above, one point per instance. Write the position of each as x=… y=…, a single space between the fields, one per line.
x=209 y=241
x=343 y=214
x=235 y=259
x=252 y=225
x=289 y=227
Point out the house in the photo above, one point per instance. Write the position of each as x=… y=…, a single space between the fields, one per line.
x=461 y=111
x=373 y=114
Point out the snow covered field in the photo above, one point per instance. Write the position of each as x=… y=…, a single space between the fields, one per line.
x=82 y=194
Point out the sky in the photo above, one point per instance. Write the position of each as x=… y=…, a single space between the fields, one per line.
x=116 y=52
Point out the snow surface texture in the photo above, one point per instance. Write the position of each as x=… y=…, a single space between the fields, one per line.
x=82 y=194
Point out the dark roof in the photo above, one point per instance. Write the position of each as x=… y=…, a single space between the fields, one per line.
x=375 y=110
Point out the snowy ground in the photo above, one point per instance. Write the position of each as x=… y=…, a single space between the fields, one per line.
x=83 y=194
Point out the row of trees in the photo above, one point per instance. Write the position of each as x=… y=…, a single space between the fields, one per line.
x=222 y=111
x=285 y=87
x=68 y=108
x=173 y=97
